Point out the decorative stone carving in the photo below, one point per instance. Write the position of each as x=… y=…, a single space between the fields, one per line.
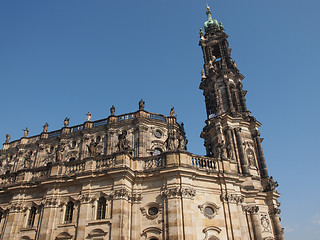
x=232 y=198
x=84 y=198
x=49 y=202
x=136 y=198
x=7 y=138
x=66 y=122
x=251 y=209
x=209 y=209
x=45 y=128
x=265 y=223
x=178 y=192
x=271 y=185
x=121 y=194
x=274 y=211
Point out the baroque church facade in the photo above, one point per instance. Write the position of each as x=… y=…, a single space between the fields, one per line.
x=130 y=177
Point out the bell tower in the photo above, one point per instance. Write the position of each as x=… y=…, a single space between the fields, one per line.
x=231 y=134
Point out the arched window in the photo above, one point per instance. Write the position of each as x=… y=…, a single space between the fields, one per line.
x=32 y=216
x=69 y=212
x=101 y=211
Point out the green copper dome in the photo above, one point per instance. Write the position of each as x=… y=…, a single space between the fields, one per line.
x=211 y=23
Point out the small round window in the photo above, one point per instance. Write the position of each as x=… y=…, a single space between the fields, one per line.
x=153 y=211
x=209 y=210
x=158 y=134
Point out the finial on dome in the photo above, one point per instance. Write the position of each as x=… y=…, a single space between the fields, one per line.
x=210 y=23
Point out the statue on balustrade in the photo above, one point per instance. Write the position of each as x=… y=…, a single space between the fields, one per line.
x=25 y=132
x=88 y=119
x=45 y=128
x=66 y=122
x=141 y=105
x=112 y=110
x=7 y=138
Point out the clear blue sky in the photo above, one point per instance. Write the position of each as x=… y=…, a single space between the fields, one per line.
x=65 y=58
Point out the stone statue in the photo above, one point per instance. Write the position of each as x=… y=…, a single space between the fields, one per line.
x=229 y=152
x=182 y=143
x=66 y=122
x=45 y=128
x=7 y=138
x=59 y=152
x=172 y=143
x=123 y=144
x=250 y=157
x=88 y=117
x=27 y=160
x=92 y=148
x=271 y=185
x=172 y=113
x=25 y=132
x=202 y=74
x=112 y=110
x=141 y=105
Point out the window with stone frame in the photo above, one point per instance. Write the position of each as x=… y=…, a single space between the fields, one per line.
x=32 y=216
x=69 y=212
x=101 y=210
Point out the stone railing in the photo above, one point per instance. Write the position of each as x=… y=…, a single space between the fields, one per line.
x=201 y=162
x=154 y=162
x=103 y=163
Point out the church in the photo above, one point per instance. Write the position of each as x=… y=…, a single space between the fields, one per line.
x=130 y=176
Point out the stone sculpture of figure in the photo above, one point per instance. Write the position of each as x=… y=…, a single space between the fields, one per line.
x=112 y=110
x=182 y=143
x=202 y=74
x=221 y=150
x=141 y=105
x=172 y=143
x=66 y=122
x=172 y=113
x=229 y=152
x=123 y=144
x=7 y=138
x=45 y=128
x=250 y=157
x=88 y=117
x=27 y=160
x=25 y=132
x=92 y=148
x=271 y=185
x=59 y=152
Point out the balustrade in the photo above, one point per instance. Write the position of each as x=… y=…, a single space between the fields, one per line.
x=202 y=162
